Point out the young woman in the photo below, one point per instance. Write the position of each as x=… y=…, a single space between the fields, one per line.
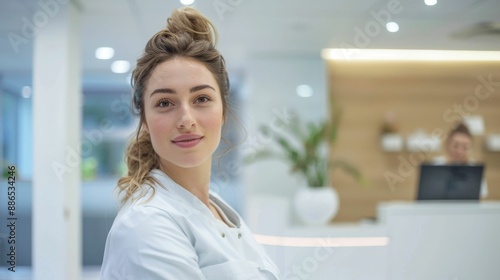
x=458 y=149
x=458 y=144
x=171 y=225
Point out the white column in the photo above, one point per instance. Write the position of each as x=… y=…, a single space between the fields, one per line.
x=56 y=149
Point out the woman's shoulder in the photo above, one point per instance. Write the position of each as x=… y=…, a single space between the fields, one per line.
x=143 y=231
x=156 y=205
x=143 y=211
x=156 y=197
x=439 y=160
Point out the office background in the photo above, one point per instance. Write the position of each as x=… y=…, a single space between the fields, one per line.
x=271 y=48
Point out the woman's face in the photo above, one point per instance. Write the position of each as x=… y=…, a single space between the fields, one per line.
x=183 y=113
x=458 y=148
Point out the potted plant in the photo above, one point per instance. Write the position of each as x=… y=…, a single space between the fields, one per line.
x=304 y=146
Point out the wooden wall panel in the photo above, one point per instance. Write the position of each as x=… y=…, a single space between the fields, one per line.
x=420 y=94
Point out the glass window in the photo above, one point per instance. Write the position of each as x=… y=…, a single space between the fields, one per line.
x=107 y=126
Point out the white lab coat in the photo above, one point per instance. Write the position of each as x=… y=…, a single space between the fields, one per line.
x=175 y=236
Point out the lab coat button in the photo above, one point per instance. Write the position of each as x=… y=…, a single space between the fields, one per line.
x=223 y=235
x=239 y=235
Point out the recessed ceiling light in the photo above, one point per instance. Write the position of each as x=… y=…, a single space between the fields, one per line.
x=304 y=91
x=104 y=53
x=392 y=26
x=187 y=2
x=120 y=66
x=430 y=2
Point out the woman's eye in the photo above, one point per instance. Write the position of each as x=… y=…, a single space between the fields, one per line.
x=202 y=99
x=163 y=103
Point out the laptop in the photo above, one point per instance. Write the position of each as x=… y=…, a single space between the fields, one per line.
x=450 y=182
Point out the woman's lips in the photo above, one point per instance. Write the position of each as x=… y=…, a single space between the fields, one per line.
x=187 y=140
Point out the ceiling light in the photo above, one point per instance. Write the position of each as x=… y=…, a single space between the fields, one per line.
x=104 y=53
x=26 y=92
x=418 y=55
x=430 y=2
x=392 y=26
x=187 y=2
x=120 y=66
x=304 y=91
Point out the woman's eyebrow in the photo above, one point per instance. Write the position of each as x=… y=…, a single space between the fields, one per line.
x=172 y=91
x=200 y=87
x=162 y=90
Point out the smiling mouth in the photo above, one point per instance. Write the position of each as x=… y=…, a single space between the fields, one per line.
x=187 y=140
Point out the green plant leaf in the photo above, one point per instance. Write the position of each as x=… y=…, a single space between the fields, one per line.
x=349 y=169
x=300 y=145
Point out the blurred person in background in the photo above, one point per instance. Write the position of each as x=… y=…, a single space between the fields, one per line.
x=458 y=151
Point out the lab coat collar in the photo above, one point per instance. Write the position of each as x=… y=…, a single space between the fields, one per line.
x=174 y=191
x=171 y=190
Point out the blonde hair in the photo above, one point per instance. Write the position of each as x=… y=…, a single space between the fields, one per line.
x=188 y=34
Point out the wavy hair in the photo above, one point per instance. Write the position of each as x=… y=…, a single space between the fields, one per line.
x=188 y=34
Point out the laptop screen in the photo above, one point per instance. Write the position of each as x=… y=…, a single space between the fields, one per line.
x=450 y=182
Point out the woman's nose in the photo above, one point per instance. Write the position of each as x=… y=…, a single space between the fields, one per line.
x=185 y=118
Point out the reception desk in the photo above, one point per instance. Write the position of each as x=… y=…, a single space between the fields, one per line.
x=447 y=240
x=408 y=240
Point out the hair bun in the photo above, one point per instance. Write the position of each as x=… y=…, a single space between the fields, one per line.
x=193 y=22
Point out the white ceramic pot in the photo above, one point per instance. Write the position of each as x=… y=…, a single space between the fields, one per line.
x=316 y=206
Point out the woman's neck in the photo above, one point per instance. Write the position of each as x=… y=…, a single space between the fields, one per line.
x=196 y=179
x=452 y=160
